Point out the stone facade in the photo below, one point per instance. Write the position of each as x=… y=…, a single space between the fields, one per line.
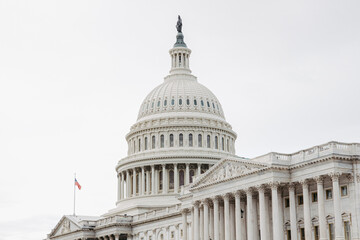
x=182 y=180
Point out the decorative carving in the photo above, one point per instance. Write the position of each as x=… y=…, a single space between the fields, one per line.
x=261 y=188
x=335 y=176
x=228 y=170
x=65 y=228
x=358 y=177
x=291 y=186
x=274 y=185
x=350 y=177
x=319 y=179
x=304 y=183
x=237 y=194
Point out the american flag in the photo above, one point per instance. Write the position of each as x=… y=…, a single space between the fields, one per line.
x=77 y=184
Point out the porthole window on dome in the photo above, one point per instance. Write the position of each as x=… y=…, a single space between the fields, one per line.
x=208 y=104
x=213 y=105
x=188 y=102
x=195 y=102
x=202 y=103
x=217 y=106
x=158 y=104
x=165 y=102
x=173 y=102
x=152 y=104
x=180 y=101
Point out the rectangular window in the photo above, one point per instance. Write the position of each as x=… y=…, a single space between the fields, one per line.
x=347 y=230
x=328 y=194
x=331 y=232
x=302 y=233
x=300 y=200
x=316 y=232
x=344 y=191
x=314 y=197
x=287 y=202
x=288 y=235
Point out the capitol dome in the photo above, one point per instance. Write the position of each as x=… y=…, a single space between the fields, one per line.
x=179 y=134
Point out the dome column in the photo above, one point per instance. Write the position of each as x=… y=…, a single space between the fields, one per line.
x=143 y=181
x=134 y=182
x=147 y=182
x=165 y=179
x=176 y=178
x=187 y=173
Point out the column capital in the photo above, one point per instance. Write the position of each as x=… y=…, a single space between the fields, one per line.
x=226 y=196
x=163 y=165
x=175 y=165
x=237 y=194
x=206 y=202
x=249 y=190
x=319 y=179
x=304 y=183
x=215 y=199
x=292 y=186
x=274 y=185
x=261 y=188
x=350 y=177
x=185 y=210
x=196 y=203
x=335 y=176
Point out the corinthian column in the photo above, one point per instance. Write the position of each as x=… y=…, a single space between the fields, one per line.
x=226 y=198
x=128 y=191
x=176 y=178
x=187 y=173
x=321 y=207
x=237 y=216
x=196 y=221
x=164 y=178
x=307 y=214
x=339 y=232
x=292 y=212
x=250 y=215
x=277 y=229
x=152 y=179
x=184 y=223
x=263 y=233
x=143 y=181
x=119 y=187
x=206 y=219
x=216 y=218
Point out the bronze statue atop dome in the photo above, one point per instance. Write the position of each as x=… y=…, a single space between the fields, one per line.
x=179 y=24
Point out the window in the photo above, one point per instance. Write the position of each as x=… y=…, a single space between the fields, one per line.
x=302 y=233
x=180 y=101
x=162 y=141
x=331 y=231
x=288 y=235
x=347 y=230
x=195 y=102
x=139 y=145
x=316 y=232
x=287 y=202
x=181 y=140
x=171 y=140
x=192 y=173
x=208 y=104
x=137 y=183
x=202 y=103
x=146 y=143
x=200 y=140
x=208 y=141
x=158 y=103
x=188 y=102
x=213 y=105
x=153 y=142
x=165 y=102
x=190 y=140
x=152 y=104
x=300 y=200
x=216 y=142
x=172 y=102
x=344 y=191
x=160 y=180
x=328 y=194
x=181 y=177
x=171 y=179
x=314 y=197
x=222 y=144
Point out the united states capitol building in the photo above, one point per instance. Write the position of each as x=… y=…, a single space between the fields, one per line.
x=181 y=179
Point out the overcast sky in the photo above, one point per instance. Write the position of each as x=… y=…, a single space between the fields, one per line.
x=74 y=73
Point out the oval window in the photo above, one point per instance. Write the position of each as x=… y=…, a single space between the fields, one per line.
x=202 y=103
x=187 y=101
x=172 y=102
x=158 y=103
x=195 y=102
x=180 y=101
x=165 y=102
x=208 y=104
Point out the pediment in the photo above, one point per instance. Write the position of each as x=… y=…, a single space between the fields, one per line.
x=227 y=169
x=65 y=225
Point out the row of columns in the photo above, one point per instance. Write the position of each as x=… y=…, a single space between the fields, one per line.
x=233 y=226
x=128 y=183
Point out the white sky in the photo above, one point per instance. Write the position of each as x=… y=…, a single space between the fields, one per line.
x=74 y=73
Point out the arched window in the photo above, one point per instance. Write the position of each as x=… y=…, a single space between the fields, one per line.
x=208 y=141
x=162 y=140
x=139 y=144
x=171 y=140
x=192 y=173
x=200 y=140
x=216 y=142
x=181 y=140
x=146 y=143
x=160 y=181
x=222 y=144
x=153 y=142
x=190 y=140
x=181 y=177
x=171 y=179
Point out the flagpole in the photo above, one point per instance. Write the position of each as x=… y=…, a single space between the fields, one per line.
x=74 y=191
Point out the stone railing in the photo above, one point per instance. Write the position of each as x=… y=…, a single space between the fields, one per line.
x=156 y=213
x=122 y=219
x=310 y=153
